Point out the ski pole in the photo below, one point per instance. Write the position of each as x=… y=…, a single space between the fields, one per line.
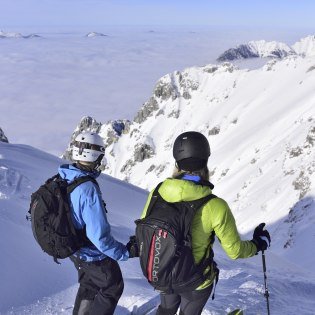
x=265 y=280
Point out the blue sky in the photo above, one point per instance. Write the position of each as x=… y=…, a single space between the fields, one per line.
x=281 y=13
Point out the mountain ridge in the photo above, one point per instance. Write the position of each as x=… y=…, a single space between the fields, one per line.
x=261 y=128
x=273 y=49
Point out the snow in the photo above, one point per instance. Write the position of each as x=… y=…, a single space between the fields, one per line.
x=10 y=35
x=272 y=49
x=306 y=46
x=262 y=160
x=16 y=35
x=95 y=34
x=33 y=284
x=267 y=49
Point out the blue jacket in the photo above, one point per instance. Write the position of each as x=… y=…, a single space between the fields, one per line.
x=88 y=210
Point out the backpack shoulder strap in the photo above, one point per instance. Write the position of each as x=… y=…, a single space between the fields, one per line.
x=208 y=255
x=199 y=203
x=80 y=180
x=155 y=196
x=194 y=206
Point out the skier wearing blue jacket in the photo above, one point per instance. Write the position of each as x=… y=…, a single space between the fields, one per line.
x=100 y=278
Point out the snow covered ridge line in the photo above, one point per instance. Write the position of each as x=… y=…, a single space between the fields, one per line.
x=165 y=89
x=95 y=34
x=19 y=35
x=208 y=99
x=16 y=35
x=264 y=49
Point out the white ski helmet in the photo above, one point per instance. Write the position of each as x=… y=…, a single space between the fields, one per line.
x=88 y=147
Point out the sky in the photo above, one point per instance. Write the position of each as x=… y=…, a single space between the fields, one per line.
x=281 y=13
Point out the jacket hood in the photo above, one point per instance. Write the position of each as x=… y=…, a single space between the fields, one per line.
x=69 y=172
x=175 y=190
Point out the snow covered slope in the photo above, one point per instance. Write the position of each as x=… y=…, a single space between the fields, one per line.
x=27 y=274
x=31 y=283
x=306 y=46
x=264 y=49
x=261 y=127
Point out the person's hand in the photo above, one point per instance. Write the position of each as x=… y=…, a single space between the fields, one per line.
x=261 y=238
x=132 y=247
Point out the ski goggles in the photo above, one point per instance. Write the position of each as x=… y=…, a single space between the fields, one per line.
x=84 y=145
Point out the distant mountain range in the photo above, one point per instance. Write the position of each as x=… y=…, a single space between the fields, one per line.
x=16 y=35
x=264 y=49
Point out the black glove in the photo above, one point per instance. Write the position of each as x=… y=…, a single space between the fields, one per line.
x=261 y=238
x=132 y=247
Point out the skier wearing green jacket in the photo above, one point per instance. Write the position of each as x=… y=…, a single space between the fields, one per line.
x=190 y=181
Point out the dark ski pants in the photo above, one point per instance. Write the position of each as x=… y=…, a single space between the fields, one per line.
x=190 y=303
x=101 y=285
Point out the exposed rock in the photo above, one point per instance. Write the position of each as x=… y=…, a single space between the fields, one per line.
x=165 y=90
x=160 y=112
x=295 y=152
x=240 y=52
x=214 y=131
x=270 y=65
x=188 y=84
x=161 y=168
x=186 y=95
x=224 y=172
x=310 y=138
x=146 y=110
x=174 y=114
x=302 y=183
x=127 y=166
x=150 y=169
x=88 y=123
x=142 y=152
x=210 y=68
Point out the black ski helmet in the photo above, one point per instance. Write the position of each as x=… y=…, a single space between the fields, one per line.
x=191 y=151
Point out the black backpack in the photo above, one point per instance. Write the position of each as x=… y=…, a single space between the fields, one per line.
x=51 y=220
x=164 y=240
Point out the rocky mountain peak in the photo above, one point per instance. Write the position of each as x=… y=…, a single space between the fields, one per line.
x=110 y=131
x=257 y=49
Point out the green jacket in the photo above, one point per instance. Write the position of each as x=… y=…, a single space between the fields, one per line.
x=215 y=216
